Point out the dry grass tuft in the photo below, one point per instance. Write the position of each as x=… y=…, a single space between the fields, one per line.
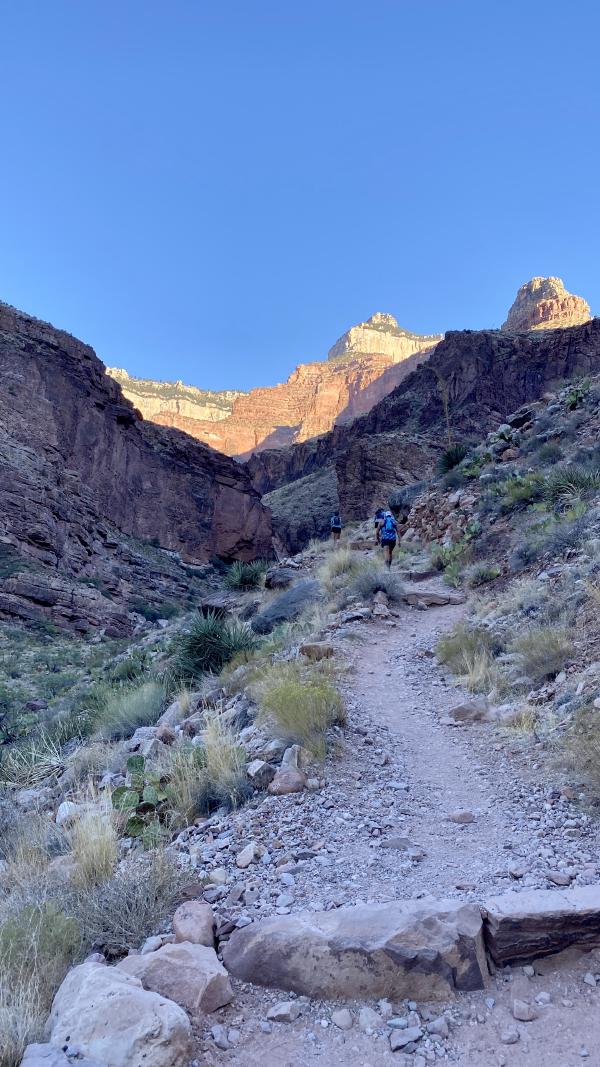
x=543 y=651
x=301 y=703
x=94 y=843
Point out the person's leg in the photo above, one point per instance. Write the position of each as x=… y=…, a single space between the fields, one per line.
x=387 y=555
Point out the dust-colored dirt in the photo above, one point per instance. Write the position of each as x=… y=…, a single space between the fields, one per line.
x=402 y=771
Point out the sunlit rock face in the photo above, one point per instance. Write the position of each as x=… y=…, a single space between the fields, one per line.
x=545 y=304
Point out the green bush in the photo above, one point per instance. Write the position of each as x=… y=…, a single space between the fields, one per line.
x=551 y=452
x=481 y=573
x=452 y=457
x=522 y=490
x=245 y=575
x=121 y=710
x=210 y=643
x=581 y=747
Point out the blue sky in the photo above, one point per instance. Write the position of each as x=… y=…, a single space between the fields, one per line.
x=214 y=191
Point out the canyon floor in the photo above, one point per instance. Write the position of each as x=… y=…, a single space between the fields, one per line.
x=398 y=779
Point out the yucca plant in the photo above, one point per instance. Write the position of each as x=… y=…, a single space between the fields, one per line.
x=452 y=456
x=245 y=575
x=210 y=643
x=567 y=484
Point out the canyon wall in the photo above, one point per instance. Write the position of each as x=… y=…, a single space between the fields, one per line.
x=484 y=375
x=82 y=473
x=363 y=366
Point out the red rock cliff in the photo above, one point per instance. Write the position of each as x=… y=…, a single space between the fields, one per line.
x=80 y=466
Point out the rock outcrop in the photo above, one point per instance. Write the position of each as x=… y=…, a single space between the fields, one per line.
x=523 y=926
x=469 y=385
x=545 y=304
x=87 y=484
x=413 y=949
x=363 y=366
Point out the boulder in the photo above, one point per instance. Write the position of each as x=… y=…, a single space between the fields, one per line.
x=474 y=710
x=432 y=598
x=279 y=577
x=113 y=1019
x=68 y=813
x=287 y=780
x=316 y=650
x=287 y=606
x=194 y=921
x=260 y=773
x=539 y=922
x=50 y=1056
x=414 y=949
x=189 y=974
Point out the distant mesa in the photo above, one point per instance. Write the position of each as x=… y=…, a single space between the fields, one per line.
x=545 y=304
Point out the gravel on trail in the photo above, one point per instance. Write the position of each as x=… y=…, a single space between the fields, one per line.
x=407 y=806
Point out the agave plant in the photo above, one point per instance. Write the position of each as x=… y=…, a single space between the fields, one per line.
x=245 y=575
x=210 y=643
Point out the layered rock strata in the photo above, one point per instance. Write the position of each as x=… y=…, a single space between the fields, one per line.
x=363 y=366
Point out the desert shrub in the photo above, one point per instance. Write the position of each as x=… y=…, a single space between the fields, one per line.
x=186 y=790
x=373 y=578
x=566 y=485
x=451 y=457
x=123 y=709
x=464 y=642
x=209 y=643
x=245 y=575
x=559 y=537
x=524 y=554
x=520 y=491
x=94 y=844
x=577 y=394
x=39 y=942
x=551 y=452
x=223 y=779
x=337 y=568
x=542 y=651
x=481 y=573
x=129 y=668
x=122 y=912
x=581 y=746
x=302 y=703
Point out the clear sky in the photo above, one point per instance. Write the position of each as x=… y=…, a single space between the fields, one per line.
x=214 y=191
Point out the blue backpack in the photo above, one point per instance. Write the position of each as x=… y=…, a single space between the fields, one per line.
x=388 y=530
x=336 y=522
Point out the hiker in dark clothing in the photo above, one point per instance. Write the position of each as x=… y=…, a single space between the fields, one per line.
x=336 y=526
x=388 y=535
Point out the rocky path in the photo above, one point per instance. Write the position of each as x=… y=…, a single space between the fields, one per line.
x=410 y=807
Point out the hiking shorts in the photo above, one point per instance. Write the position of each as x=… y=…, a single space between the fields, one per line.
x=388 y=542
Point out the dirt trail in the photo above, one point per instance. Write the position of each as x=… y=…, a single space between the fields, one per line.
x=400 y=773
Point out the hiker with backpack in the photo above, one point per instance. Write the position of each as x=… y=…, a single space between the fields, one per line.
x=388 y=535
x=336 y=526
x=379 y=516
